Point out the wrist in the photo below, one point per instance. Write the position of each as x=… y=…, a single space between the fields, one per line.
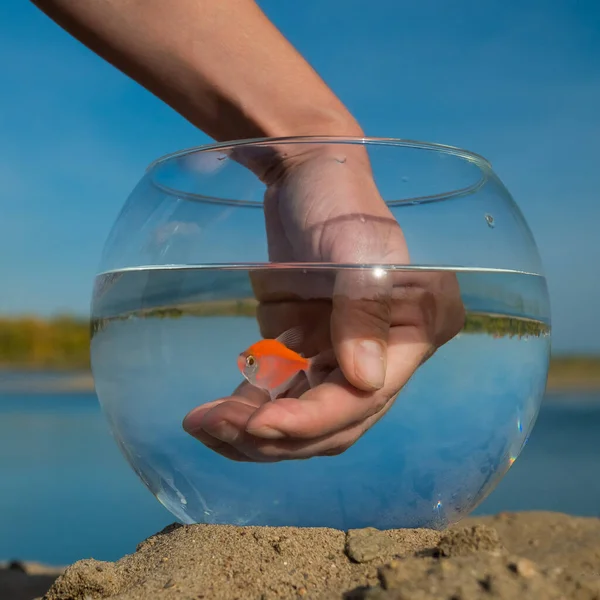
x=269 y=161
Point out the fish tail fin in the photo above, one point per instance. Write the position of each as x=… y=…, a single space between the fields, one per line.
x=320 y=366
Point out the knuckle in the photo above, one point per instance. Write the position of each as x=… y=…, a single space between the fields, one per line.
x=372 y=314
x=377 y=308
x=338 y=449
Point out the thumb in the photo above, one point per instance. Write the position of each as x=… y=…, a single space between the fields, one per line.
x=360 y=323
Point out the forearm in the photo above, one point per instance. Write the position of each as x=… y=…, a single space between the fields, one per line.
x=221 y=64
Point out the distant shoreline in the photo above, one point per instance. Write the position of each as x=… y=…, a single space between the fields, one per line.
x=52 y=356
x=63 y=343
x=47 y=382
x=32 y=381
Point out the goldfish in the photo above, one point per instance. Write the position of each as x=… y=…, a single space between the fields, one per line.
x=270 y=364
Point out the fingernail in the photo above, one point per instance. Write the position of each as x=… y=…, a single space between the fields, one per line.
x=369 y=361
x=266 y=432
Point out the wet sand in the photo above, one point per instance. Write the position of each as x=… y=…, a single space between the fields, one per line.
x=511 y=555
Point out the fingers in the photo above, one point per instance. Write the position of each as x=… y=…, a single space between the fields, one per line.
x=325 y=421
x=332 y=416
x=245 y=394
x=222 y=429
x=336 y=404
x=248 y=448
x=452 y=312
x=228 y=437
x=430 y=301
x=360 y=324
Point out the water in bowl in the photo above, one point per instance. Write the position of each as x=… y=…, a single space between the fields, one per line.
x=166 y=340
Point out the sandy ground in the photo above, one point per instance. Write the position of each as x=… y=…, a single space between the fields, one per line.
x=508 y=556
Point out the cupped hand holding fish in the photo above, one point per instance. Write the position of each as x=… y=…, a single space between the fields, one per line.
x=339 y=344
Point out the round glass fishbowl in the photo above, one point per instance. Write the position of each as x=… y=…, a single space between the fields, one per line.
x=340 y=332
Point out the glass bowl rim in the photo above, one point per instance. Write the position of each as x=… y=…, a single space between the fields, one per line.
x=467 y=155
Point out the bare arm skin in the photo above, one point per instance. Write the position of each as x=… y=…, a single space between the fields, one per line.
x=221 y=64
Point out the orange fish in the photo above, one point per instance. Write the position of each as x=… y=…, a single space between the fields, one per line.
x=271 y=365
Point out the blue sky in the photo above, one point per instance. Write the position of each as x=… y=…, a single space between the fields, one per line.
x=518 y=82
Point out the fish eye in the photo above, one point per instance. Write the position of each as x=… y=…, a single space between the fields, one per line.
x=250 y=361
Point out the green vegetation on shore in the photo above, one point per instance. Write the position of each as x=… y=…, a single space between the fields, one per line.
x=574 y=372
x=62 y=343
x=501 y=325
x=59 y=343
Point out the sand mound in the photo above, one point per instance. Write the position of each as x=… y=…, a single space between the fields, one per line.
x=524 y=555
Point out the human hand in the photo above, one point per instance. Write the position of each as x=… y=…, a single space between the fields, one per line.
x=376 y=325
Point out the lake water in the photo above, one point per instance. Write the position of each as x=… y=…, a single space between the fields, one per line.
x=67 y=493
